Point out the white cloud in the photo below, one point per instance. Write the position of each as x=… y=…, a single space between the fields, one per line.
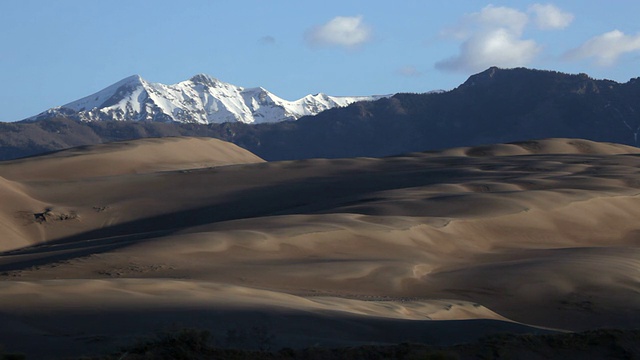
x=345 y=31
x=490 y=17
x=606 y=48
x=503 y=17
x=498 y=47
x=491 y=37
x=548 y=16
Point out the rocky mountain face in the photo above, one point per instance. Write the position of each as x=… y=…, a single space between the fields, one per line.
x=495 y=106
x=200 y=100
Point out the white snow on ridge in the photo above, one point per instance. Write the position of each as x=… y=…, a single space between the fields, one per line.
x=97 y=99
x=201 y=99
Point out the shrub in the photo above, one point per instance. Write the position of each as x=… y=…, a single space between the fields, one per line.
x=181 y=344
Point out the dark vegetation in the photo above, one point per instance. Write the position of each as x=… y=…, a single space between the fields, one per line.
x=198 y=344
x=11 y=356
x=494 y=106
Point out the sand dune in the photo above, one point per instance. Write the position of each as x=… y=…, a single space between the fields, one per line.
x=129 y=157
x=544 y=146
x=21 y=206
x=13 y=220
x=517 y=237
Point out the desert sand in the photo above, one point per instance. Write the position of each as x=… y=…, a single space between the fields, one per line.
x=106 y=243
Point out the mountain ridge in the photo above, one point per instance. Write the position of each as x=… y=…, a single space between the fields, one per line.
x=494 y=106
x=202 y=99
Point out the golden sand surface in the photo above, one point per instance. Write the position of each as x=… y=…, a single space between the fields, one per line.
x=105 y=243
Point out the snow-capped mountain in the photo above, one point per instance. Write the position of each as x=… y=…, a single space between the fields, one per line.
x=201 y=99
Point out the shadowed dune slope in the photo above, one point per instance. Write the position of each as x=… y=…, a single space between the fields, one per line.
x=14 y=231
x=511 y=237
x=541 y=147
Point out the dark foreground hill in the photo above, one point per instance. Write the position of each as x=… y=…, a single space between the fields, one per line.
x=494 y=106
x=597 y=344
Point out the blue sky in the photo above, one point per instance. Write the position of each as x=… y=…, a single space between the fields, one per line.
x=54 y=52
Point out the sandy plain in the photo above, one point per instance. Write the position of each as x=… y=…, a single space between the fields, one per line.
x=107 y=243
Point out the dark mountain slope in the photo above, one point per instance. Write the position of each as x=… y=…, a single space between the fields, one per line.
x=491 y=107
x=494 y=106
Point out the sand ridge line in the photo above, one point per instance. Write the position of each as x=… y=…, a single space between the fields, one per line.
x=62 y=294
x=128 y=157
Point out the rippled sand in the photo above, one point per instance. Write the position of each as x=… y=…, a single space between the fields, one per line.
x=105 y=243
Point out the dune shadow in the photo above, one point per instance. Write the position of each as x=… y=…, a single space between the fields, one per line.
x=102 y=331
x=316 y=195
x=339 y=187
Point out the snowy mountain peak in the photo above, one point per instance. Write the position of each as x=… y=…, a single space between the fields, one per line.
x=204 y=79
x=133 y=78
x=108 y=96
x=201 y=99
